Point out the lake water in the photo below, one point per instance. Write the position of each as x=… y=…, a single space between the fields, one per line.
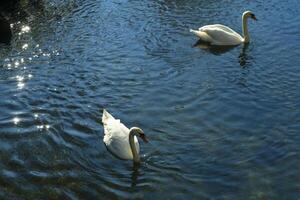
x=222 y=123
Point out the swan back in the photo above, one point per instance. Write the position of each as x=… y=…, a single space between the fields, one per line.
x=221 y=35
x=116 y=137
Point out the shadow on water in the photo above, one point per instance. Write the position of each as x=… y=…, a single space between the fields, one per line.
x=216 y=50
x=15 y=11
x=219 y=50
x=5 y=32
x=243 y=56
x=135 y=174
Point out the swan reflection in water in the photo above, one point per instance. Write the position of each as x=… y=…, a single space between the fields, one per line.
x=243 y=57
x=135 y=174
x=219 y=50
x=214 y=49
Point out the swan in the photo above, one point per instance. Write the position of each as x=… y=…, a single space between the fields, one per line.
x=121 y=141
x=218 y=34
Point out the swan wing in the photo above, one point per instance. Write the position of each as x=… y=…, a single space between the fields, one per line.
x=116 y=137
x=221 y=35
x=113 y=127
x=217 y=26
x=121 y=148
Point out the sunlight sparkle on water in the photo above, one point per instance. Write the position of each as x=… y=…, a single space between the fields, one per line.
x=21 y=85
x=40 y=127
x=20 y=80
x=17 y=63
x=25 y=46
x=25 y=29
x=16 y=120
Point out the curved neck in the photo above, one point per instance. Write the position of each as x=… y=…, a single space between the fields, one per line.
x=136 y=157
x=245 y=29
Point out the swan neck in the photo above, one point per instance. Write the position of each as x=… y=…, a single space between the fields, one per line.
x=136 y=157
x=245 y=29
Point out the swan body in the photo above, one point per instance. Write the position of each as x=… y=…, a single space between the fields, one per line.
x=119 y=140
x=218 y=34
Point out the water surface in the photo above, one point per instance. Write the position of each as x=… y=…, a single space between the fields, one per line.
x=222 y=124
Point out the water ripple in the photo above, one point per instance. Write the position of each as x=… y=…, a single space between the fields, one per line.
x=222 y=123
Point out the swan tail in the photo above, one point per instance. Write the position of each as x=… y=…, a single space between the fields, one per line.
x=106 y=121
x=202 y=35
x=197 y=32
x=193 y=31
x=106 y=116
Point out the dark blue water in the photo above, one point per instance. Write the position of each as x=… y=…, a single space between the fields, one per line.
x=222 y=124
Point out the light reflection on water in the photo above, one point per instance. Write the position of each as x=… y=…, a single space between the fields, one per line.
x=16 y=120
x=223 y=122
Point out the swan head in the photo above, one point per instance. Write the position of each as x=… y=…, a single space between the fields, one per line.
x=248 y=14
x=139 y=132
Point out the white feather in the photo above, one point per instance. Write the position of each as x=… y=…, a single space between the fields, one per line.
x=116 y=137
x=218 y=34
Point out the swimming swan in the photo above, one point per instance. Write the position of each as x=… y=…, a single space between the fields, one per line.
x=121 y=141
x=218 y=34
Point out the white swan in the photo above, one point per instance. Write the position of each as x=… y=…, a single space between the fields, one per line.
x=121 y=141
x=218 y=34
